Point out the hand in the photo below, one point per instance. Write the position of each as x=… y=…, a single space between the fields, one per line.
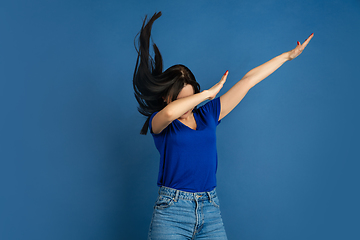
x=217 y=87
x=299 y=48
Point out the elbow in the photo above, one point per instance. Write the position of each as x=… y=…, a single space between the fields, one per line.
x=168 y=115
x=248 y=82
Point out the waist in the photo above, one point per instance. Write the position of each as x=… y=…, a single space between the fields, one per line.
x=178 y=194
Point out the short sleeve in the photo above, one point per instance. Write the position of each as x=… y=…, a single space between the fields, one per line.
x=212 y=109
x=150 y=122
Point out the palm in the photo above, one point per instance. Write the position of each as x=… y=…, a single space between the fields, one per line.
x=217 y=87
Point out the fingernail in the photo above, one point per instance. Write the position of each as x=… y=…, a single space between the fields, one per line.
x=226 y=72
x=298 y=42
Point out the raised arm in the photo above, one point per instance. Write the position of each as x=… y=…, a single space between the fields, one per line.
x=233 y=97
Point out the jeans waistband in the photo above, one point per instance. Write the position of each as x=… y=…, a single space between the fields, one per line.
x=176 y=194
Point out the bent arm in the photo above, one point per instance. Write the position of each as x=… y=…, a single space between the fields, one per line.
x=177 y=108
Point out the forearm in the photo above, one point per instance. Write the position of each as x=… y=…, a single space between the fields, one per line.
x=180 y=106
x=261 y=72
x=232 y=97
x=184 y=104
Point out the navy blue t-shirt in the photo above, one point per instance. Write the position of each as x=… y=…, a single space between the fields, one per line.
x=188 y=158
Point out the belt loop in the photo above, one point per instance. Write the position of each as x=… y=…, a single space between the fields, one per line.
x=209 y=195
x=176 y=196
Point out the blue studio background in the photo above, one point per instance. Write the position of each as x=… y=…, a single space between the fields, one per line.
x=74 y=166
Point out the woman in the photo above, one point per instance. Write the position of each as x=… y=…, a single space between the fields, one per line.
x=187 y=206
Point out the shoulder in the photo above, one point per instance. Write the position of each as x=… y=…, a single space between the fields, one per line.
x=165 y=129
x=212 y=105
x=211 y=109
x=150 y=123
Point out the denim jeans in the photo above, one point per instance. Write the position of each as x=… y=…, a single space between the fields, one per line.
x=185 y=215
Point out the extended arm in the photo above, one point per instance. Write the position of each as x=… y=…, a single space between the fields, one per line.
x=233 y=97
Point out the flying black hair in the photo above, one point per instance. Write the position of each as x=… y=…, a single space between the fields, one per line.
x=151 y=84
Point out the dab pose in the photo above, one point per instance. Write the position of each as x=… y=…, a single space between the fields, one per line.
x=188 y=206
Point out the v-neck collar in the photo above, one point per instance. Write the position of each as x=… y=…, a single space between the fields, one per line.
x=196 y=122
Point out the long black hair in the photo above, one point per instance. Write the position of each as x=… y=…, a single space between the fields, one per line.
x=151 y=85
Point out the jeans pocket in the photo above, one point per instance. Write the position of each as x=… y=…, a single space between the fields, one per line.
x=163 y=202
x=215 y=202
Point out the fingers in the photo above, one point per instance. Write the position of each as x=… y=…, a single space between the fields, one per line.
x=307 y=41
x=220 y=84
x=223 y=78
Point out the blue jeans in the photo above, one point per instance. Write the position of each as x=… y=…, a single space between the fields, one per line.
x=185 y=215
